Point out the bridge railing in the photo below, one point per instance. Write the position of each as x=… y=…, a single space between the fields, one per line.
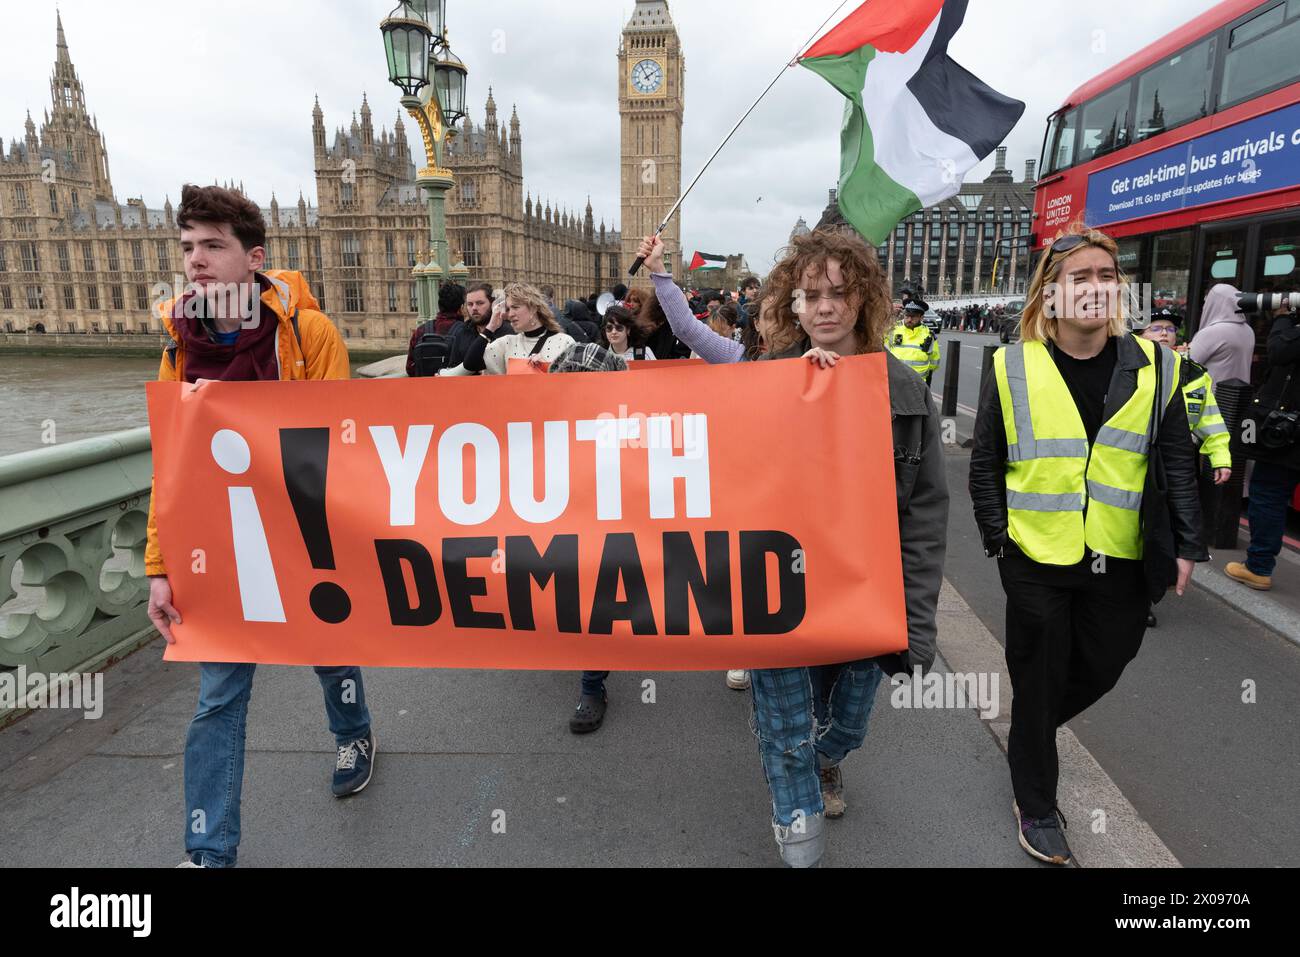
x=72 y=538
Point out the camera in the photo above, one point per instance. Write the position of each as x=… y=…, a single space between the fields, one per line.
x=1252 y=302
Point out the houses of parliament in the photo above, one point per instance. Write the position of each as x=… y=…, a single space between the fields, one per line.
x=73 y=259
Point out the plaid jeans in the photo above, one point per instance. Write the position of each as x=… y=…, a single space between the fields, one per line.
x=806 y=719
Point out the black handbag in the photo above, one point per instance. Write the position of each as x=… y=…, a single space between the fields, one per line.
x=1159 y=554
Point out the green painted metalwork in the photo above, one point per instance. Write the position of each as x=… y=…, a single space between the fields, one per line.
x=72 y=538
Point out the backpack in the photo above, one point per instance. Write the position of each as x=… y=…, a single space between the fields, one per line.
x=431 y=354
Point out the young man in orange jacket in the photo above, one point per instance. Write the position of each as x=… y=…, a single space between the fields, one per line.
x=237 y=323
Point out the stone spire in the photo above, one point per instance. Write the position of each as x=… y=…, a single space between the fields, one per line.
x=367 y=127
x=491 y=121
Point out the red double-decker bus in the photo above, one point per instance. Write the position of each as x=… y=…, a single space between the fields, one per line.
x=1188 y=153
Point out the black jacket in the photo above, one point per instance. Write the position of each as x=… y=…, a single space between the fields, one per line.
x=921 y=487
x=1279 y=390
x=988 y=460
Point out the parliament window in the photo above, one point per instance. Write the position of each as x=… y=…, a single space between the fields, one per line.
x=141 y=296
x=351 y=250
x=392 y=297
x=113 y=264
x=92 y=297
x=87 y=257
x=115 y=293
x=31 y=257
x=164 y=257
x=352 y=300
x=6 y=298
x=69 y=298
x=390 y=253
x=415 y=301
x=61 y=250
x=4 y=266
x=410 y=251
x=54 y=200
x=20 y=197
x=294 y=261
x=469 y=250
x=35 y=297
x=137 y=255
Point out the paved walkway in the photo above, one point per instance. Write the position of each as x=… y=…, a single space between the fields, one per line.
x=675 y=783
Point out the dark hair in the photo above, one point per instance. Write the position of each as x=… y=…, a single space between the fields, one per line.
x=483 y=287
x=451 y=296
x=651 y=318
x=750 y=282
x=218 y=206
x=620 y=292
x=548 y=291
x=624 y=317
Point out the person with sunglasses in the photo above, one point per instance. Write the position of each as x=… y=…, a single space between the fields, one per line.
x=620 y=335
x=1057 y=476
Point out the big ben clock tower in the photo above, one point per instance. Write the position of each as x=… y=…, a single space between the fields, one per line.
x=651 y=101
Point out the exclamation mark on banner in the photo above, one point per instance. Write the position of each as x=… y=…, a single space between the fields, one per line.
x=304 y=454
x=259 y=595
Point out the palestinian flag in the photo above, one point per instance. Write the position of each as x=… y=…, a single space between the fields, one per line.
x=916 y=122
x=708 y=261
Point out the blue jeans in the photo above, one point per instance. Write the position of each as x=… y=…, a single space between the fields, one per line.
x=1271 y=488
x=807 y=719
x=214 y=751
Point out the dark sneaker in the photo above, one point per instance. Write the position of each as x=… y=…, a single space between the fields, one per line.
x=590 y=713
x=355 y=765
x=1043 y=838
x=832 y=791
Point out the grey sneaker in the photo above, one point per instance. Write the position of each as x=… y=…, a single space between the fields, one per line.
x=803 y=842
x=832 y=791
x=738 y=679
x=1042 y=837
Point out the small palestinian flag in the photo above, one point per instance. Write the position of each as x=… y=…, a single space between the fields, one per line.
x=708 y=261
x=916 y=122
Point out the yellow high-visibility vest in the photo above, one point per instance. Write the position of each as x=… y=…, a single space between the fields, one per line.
x=1206 y=420
x=918 y=348
x=1065 y=498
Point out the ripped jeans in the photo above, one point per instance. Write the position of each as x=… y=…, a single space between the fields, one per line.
x=806 y=719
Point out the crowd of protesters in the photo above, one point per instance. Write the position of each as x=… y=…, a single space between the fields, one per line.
x=1066 y=423
x=974 y=317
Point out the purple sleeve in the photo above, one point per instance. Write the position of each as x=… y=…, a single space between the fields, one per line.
x=708 y=345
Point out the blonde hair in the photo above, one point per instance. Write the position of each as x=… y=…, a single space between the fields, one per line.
x=1036 y=325
x=526 y=294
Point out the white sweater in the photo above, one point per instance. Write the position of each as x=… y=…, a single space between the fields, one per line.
x=516 y=346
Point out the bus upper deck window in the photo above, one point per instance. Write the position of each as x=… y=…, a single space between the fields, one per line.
x=1063 y=148
x=1105 y=125
x=1261 y=54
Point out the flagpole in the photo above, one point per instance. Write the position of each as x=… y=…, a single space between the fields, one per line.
x=636 y=266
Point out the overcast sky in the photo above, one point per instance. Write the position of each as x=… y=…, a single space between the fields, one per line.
x=222 y=89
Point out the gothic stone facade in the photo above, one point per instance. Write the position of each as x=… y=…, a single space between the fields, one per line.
x=73 y=259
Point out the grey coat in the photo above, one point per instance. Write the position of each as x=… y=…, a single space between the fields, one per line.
x=921 y=487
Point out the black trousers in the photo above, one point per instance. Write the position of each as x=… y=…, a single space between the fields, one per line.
x=1071 y=631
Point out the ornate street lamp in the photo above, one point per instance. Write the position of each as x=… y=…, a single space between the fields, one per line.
x=432 y=80
x=449 y=82
x=407 y=41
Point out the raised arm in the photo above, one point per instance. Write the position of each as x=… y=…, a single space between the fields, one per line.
x=713 y=348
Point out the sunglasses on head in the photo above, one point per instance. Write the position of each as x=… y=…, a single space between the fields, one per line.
x=1066 y=243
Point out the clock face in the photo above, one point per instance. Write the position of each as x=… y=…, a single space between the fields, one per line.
x=647 y=76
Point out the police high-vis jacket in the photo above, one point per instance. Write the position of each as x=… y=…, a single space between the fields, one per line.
x=1203 y=415
x=917 y=348
x=1063 y=496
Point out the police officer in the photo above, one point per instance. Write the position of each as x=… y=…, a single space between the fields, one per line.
x=1057 y=476
x=913 y=342
x=1208 y=428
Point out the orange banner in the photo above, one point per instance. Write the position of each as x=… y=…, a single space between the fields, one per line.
x=702 y=518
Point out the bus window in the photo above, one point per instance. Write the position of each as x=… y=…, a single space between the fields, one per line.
x=1275 y=271
x=1061 y=143
x=1105 y=125
x=1171 y=270
x=1176 y=91
x=1261 y=57
x=1130 y=258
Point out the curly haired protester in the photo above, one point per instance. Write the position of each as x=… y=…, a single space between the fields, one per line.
x=1057 y=477
x=222 y=238
x=830 y=299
